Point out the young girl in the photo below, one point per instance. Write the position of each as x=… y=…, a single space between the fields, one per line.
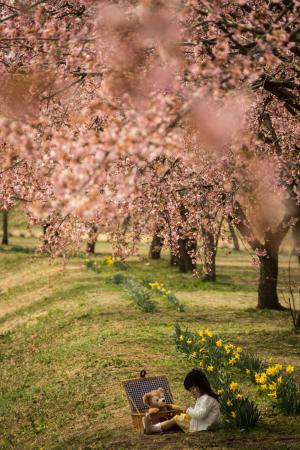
x=205 y=415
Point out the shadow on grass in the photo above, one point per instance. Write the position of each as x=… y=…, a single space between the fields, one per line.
x=16 y=249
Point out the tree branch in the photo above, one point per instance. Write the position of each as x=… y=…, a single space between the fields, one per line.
x=240 y=221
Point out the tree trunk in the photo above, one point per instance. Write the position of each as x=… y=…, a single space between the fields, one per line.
x=90 y=246
x=45 y=226
x=234 y=237
x=156 y=247
x=5 y=228
x=210 y=251
x=267 y=288
x=296 y=237
x=93 y=235
x=184 y=259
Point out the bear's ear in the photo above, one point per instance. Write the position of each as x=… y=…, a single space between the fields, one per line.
x=146 y=398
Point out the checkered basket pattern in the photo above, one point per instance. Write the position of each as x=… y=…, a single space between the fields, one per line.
x=135 y=388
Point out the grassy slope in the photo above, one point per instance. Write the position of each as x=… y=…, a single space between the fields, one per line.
x=68 y=339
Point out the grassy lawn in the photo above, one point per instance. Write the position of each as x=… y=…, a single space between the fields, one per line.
x=68 y=337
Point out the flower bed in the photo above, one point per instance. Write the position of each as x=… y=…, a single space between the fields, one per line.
x=166 y=294
x=223 y=361
x=108 y=261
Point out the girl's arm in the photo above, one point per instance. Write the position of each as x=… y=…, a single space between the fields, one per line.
x=200 y=411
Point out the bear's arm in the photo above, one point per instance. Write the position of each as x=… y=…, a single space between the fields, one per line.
x=173 y=407
x=153 y=410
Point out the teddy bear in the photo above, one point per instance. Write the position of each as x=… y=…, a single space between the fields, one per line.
x=159 y=410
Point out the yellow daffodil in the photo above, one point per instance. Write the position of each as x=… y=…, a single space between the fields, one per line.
x=233 y=386
x=219 y=343
x=208 y=332
x=232 y=362
x=233 y=414
x=220 y=391
x=108 y=260
x=272 y=394
x=260 y=378
x=181 y=338
x=154 y=285
x=271 y=370
x=200 y=364
x=279 y=380
x=239 y=349
x=227 y=348
x=200 y=333
x=194 y=354
x=239 y=397
x=229 y=402
x=189 y=341
x=248 y=371
x=289 y=368
x=168 y=292
x=272 y=386
x=203 y=339
x=264 y=387
x=210 y=368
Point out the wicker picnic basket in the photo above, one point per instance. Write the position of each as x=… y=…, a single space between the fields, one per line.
x=135 y=388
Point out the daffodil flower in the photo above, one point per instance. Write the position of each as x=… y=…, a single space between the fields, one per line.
x=289 y=368
x=208 y=332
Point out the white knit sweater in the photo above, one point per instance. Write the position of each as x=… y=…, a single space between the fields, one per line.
x=205 y=414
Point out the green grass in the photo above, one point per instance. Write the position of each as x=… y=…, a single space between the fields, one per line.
x=69 y=337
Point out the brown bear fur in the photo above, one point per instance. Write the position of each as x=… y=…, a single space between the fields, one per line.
x=158 y=408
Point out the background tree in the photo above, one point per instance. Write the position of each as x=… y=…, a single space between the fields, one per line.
x=5 y=228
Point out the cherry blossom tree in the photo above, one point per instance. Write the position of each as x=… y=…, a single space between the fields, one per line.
x=96 y=91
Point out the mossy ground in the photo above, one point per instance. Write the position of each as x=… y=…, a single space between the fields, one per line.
x=68 y=337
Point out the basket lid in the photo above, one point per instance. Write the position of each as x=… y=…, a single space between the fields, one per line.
x=137 y=387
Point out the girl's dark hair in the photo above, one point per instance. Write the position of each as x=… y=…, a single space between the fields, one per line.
x=197 y=378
